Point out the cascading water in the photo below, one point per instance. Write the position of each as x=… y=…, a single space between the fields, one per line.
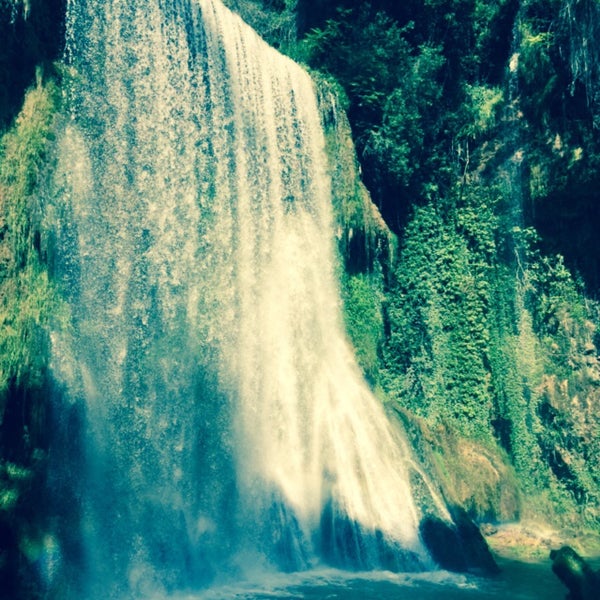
x=226 y=421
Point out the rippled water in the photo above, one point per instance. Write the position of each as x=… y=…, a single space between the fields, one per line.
x=517 y=581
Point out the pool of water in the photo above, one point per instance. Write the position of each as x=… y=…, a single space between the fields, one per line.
x=517 y=581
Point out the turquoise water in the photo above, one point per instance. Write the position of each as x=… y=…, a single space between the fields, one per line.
x=518 y=581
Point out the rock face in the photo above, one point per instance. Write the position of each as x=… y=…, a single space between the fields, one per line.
x=583 y=582
x=459 y=548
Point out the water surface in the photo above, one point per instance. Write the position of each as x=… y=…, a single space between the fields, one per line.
x=518 y=581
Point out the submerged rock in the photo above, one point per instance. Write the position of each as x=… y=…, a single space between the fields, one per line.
x=576 y=574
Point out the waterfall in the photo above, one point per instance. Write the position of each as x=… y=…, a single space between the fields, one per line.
x=224 y=420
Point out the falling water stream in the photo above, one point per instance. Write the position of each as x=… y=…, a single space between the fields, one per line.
x=226 y=421
x=225 y=426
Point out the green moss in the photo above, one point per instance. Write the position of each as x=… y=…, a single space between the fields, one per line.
x=28 y=300
x=476 y=475
x=362 y=296
x=26 y=294
x=436 y=355
x=365 y=243
x=363 y=236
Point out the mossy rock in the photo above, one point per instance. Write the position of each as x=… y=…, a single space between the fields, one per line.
x=473 y=475
x=581 y=580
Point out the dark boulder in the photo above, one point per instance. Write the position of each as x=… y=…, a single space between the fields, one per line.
x=581 y=580
x=457 y=546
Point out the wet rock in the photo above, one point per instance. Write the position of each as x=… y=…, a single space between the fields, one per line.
x=488 y=529
x=581 y=580
x=457 y=546
x=345 y=544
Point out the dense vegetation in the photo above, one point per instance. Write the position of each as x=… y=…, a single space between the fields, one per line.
x=473 y=303
x=30 y=34
x=27 y=299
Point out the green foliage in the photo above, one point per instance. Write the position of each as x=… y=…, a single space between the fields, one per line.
x=393 y=91
x=362 y=296
x=366 y=54
x=364 y=240
x=27 y=302
x=399 y=143
x=475 y=336
x=537 y=74
x=540 y=332
x=26 y=294
x=553 y=294
x=274 y=19
x=483 y=104
x=437 y=351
